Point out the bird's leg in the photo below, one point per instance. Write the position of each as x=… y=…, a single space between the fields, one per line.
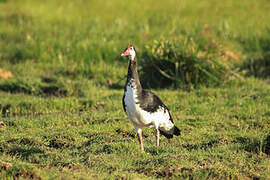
x=157 y=137
x=140 y=140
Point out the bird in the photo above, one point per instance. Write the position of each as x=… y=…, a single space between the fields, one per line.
x=144 y=108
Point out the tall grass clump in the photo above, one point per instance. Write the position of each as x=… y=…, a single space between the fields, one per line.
x=182 y=62
x=257 y=50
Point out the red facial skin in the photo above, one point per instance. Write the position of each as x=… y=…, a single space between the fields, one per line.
x=126 y=52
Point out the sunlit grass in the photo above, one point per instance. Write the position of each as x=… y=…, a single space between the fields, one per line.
x=223 y=135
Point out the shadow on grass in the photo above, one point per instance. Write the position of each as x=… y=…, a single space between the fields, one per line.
x=4 y=109
x=254 y=145
x=61 y=141
x=115 y=86
x=24 y=151
x=54 y=90
x=259 y=67
x=47 y=90
x=151 y=78
x=180 y=172
x=266 y=145
x=249 y=144
x=202 y=145
x=154 y=151
x=169 y=171
x=16 y=87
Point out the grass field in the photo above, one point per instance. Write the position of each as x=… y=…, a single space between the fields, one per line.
x=61 y=111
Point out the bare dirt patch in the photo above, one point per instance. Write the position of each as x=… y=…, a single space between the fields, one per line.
x=5 y=166
x=5 y=74
x=26 y=175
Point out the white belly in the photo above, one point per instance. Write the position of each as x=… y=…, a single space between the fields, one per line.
x=136 y=114
x=142 y=118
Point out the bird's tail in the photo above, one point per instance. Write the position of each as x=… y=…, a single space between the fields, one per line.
x=170 y=134
x=176 y=131
x=167 y=135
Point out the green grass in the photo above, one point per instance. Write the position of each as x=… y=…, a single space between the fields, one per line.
x=62 y=116
x=224 y=133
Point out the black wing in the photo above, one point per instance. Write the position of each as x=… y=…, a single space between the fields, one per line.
x=123 y=102
x=150 y=102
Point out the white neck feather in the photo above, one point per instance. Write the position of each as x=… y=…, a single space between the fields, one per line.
x=132 y=55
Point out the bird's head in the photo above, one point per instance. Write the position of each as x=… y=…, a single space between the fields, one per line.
x=130 y=51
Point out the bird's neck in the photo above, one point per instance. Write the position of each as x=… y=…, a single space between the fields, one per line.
x=132 y=76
